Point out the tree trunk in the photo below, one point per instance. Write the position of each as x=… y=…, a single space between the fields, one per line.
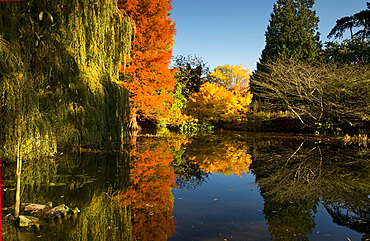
x=133 y=126
x=19 y=169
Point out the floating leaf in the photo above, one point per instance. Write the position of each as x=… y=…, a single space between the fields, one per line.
x=40 y=15
x=50 y=17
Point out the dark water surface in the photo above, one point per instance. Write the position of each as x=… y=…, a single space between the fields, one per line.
x=226 y=186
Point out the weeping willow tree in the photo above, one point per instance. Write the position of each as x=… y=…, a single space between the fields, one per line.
x=104 y=219
x=59 y=70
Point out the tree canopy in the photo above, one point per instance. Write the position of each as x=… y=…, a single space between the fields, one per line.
x=150 y=78
x=292 y=32
x=349 y=51
x=359 y=21
x=215 y=103
x=190 y=73
x=230 y=75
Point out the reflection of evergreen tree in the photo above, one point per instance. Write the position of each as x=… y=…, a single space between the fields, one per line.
x=357 y=220
x=290 y=220
x=293 y=176
x=188 y=174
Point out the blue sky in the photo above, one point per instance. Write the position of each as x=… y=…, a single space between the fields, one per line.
x=233 y=31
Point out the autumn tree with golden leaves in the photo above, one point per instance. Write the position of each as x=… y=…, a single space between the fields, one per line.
x=230 y=75
x=214 y=103
x=150 y=79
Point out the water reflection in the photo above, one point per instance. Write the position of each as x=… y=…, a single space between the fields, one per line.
x=154 y=163
x=298 y=178
x=149 y=195
x=295 y=177
x=87 y=181
x=225 y=154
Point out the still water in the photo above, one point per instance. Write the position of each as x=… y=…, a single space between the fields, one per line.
x=225 y=186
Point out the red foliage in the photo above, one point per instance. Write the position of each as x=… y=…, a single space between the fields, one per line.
x=149 y=195
x=151 y=79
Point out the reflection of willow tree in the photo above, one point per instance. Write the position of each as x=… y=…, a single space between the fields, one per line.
x=226 y=154
x=103 y=219
x=81 y=179
x=77 y=177
x=149 y=195
x=293 y=177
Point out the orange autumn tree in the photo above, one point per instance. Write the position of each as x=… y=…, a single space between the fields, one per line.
x=149 y=197
x=150 y=79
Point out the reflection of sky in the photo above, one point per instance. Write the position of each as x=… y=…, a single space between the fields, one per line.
x=231 y=207
x=327 y=230
x=223 y=207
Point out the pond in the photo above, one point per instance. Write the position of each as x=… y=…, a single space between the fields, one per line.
x=224 y=186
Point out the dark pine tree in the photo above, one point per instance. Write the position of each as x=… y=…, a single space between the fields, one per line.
x=359 y=20
x=292 y=34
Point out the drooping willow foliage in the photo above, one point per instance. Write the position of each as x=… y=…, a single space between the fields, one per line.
x=59 y=70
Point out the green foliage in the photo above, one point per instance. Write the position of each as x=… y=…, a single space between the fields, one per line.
x=24 y=132
x=180 y=100
x=358 y=20
x=69 y=70
x=292 y=32
x=162 y=128
x=191 y=71
x=349 y=51
x=193 y=128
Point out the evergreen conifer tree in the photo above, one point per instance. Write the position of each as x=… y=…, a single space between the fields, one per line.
x=291 y=34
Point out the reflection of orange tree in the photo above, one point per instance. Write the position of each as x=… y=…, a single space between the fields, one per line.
x=149 y=195
x=221 y=154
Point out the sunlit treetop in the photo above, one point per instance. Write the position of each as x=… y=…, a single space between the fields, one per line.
x=151 y=79
x=229 y=75
x=215 y=103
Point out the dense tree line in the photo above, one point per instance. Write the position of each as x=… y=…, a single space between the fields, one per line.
x=320 y=86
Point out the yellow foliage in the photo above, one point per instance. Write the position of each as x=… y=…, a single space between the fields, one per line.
x=177 y=118
x=227 y=155
x=229 y=75
x=215 y=103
